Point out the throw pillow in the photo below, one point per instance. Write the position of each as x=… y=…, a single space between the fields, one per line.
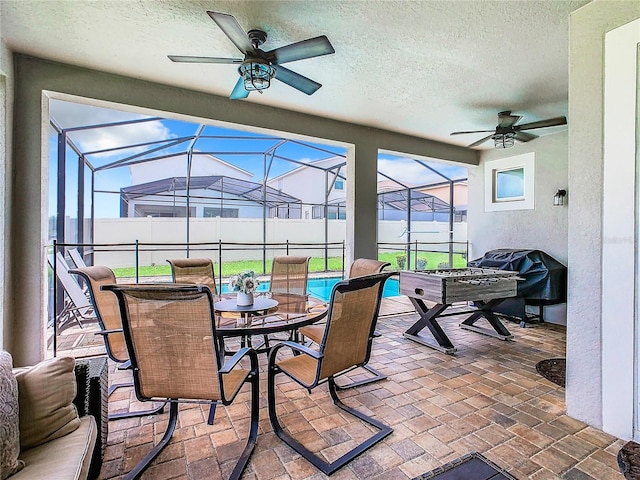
x=46 y=392
x=9 y=419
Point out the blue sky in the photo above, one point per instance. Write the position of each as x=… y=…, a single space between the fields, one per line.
x=251 y=144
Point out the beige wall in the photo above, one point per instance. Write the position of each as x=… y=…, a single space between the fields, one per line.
x=542 y=228
x=28 y=229
x=585 y=222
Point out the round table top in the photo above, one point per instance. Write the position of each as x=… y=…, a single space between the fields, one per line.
x=259 y=304
x=289 y=312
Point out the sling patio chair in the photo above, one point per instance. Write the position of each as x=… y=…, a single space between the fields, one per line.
x=288 y=284
x=345 y=345
x=77 y=258
x=105 y=305
x=77 y=307
x=171 y=337
x=198 y=271
x=315 y=332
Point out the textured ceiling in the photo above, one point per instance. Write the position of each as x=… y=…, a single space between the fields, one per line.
x=425 y=68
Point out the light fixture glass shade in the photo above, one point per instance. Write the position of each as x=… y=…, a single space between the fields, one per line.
x=256 y=75
x=558 y=198
x=504 y=140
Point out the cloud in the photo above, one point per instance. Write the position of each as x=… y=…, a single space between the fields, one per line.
x=69 y=115
x=411 y=173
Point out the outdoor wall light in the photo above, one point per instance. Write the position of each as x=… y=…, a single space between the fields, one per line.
x=558 y=198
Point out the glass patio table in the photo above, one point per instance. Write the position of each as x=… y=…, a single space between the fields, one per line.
x=268 y=315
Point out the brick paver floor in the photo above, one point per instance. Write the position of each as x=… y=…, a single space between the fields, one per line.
x=487 y=398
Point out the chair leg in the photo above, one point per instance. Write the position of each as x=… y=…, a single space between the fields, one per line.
x=253 y=429
x=142 y=413
x=320 y=464
x=139 y=469
x=376 y=378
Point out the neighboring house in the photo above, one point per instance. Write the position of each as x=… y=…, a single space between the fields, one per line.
x=319 y=182
x=216 y=189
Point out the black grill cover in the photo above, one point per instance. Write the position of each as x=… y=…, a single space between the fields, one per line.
x=545 y=278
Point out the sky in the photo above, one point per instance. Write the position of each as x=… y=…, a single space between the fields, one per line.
x=251 y=145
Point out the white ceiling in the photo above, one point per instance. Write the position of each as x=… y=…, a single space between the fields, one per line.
x=424 y=68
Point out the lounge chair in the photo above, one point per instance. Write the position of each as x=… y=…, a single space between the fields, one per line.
x=346 y=344
x=77 y=308
x=171 y=336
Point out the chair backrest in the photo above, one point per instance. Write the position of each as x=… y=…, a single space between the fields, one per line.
x=170 y=334
x=77 y=258
x=71 y=285
x=106 y=309
x=366 y=266
x=289 y=274
x=198 y=271
x=351 y=322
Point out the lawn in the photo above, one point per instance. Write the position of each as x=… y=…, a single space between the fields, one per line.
x=433 y=260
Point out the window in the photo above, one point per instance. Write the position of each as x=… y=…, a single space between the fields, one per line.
x=212 y=212
x=509 y=183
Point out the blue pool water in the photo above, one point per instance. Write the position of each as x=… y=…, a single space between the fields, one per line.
x=321 y=287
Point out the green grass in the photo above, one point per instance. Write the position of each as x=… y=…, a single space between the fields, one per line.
x=315 y=265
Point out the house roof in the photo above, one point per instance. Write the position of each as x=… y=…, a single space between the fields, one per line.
x=225 y=185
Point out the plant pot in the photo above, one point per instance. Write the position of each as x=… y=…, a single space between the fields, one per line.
x=244 y=299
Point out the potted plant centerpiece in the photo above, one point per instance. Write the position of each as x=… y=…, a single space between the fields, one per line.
x=245 y=283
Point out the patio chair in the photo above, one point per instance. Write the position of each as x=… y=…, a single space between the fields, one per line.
x=171 y=337
x=288 y=282
x=77 y=307
x=198 y=271
x=315 y=332
x=345 y=345
x=105 y=305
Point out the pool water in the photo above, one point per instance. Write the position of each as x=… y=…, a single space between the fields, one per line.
x=321 y=287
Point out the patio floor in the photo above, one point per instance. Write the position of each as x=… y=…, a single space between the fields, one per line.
x=486 y=398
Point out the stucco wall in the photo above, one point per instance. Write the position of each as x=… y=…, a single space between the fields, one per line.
x=28 y=232
x=588 y=26
x=6 y=113
x=542 y=228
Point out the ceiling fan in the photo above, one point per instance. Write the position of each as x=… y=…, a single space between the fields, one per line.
x=507 y=130
x=259 y=67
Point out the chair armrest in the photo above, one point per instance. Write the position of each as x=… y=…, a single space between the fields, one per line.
x=302 y=348
x=239 y=355
x=107 y=332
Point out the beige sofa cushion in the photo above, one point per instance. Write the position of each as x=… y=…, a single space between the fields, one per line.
x=9 y=419
x=67 y=457
x=46 y=392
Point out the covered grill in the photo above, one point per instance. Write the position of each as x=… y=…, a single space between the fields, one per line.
x=544 y=279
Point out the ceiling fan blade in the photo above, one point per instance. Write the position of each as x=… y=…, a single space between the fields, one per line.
x=482 y=140
x=472 y=131
x=551 y=122
x=525 y=137
x=192 y=59
x=312 y=47
x=239 y=91
x=232 y=29
x=297 y=81
x=506 y=121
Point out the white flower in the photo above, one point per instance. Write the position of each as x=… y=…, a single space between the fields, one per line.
x=245 y=282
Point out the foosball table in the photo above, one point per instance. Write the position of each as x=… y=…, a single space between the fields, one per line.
x=484 y=286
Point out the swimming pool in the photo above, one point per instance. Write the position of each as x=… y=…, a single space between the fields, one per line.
x=321 y=287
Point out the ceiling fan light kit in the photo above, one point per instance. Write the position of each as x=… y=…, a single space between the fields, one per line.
x=256 y=75
x=258 y=67
x=507 y=131
x=504 y=140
